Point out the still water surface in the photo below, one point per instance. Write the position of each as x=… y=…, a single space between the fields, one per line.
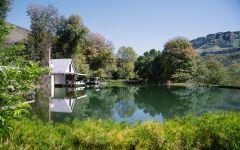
x=132 y=103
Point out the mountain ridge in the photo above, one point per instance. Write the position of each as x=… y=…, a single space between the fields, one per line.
x=16 y=34
x=220 y=42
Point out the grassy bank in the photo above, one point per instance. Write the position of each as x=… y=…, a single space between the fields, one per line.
x=119 y=82
x=210 y=131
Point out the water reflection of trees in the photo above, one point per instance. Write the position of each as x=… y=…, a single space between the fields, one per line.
x=125 y=108
x=154 y=100
x=40 y=108
x=200 y=100
x=101 y=104
x=159 y=100
x=95 y=105
x=179 y=101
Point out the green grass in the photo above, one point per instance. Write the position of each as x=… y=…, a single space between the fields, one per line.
x=180 y=84
x=119 y=82
x=210 y=131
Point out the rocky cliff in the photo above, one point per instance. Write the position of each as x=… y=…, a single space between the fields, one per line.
x=219 y=43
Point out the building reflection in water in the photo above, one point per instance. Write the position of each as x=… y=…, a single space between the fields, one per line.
x=56 y=104
x=62 y=102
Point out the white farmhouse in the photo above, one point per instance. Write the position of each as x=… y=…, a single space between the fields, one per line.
x=63 y=72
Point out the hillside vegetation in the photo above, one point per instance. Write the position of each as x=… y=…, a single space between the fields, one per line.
x=223 y=47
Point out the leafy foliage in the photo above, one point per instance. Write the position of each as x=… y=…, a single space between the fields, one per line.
x=44 y=21
x=71 y=33
x=126 y=58
x=234 y=74
x=209 y=71
x=174 y=63
x=180 y=63
x=231 y=65
x=4 y=30
x=176 y=59
x=81 y=63
x=69 y=38
x=210 y=131
x=4 y=8
x=17 y=77
x=126 y=54
x=99 y=56
x=148 y=67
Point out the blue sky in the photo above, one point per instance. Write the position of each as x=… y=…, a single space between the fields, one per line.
x=143 y=24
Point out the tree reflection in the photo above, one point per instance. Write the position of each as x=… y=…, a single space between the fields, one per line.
x=139 y=102
x=159 y=100
x=40 y=108
x=97 y=104
x=179 y=101
x=200 y=100
x=101 y=104
x=125 y=108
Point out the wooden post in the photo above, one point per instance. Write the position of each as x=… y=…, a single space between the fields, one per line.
x=49 y=57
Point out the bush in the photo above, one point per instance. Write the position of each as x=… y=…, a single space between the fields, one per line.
x=210 y=131
x=209 y=72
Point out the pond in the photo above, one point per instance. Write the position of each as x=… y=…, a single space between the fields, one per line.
x=132 y=103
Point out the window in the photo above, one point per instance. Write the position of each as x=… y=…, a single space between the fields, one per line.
x=70 y=68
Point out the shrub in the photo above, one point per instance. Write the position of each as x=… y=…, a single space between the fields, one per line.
x=210 y=131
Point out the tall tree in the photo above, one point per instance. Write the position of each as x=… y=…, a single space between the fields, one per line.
x=99 y=55
x=176 y=59
x=80 y=61
x=4 y=8
x=148 y=67
x=126 y=59
x=44 y=21
x=71 y=34
x=126 y=54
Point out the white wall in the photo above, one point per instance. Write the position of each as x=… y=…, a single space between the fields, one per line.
x=72 y=70
x=60 y=79
x=52 y=85
x=52 y=80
